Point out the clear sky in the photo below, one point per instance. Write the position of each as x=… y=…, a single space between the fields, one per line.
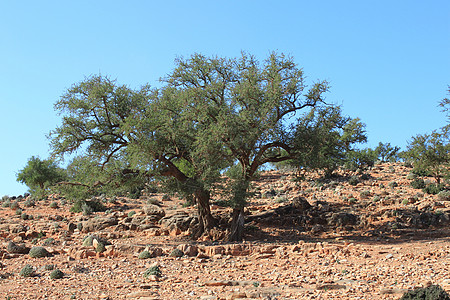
x=388 y=61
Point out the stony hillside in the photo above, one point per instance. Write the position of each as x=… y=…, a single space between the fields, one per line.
x=357 y=236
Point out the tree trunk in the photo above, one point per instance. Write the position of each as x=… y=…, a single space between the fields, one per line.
x=237 y=225
x=205 y=218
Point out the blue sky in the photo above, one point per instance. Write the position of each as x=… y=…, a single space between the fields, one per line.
x=388 y=61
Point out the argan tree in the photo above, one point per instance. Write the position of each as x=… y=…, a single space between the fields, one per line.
x=243 y=109
x=39 y=175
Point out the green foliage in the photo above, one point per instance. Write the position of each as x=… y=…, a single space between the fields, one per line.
x=56 y=274
x=433 y=188
x=323 y=137
x=418 y=183
x=393 y=184
x=87 y=206
x=27 y=271
x=145 y=255
x=54 y=204
x=176 y=253
x=153 y=271
x=444 y=195
x=387 y=153
x=430 y=154
x=433 y=292
x=100 y=247
x=37 y=252
x=354 y=180
x=360 y=159
x=39 y=175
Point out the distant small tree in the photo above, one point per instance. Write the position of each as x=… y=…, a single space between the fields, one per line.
x=39 y=175
x=430 y=153
x=361 y=159
x=323 y=138
x=386 y=152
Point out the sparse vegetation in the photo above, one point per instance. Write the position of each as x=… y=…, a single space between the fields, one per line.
x=153 y=271
x=56 y=274
x=38 y=251
x=27 y=271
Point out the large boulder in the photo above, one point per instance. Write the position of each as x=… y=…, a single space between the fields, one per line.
x=17 y=248
x=96 y=224
x=342 y=219
x=179 y=219
x=154 y=211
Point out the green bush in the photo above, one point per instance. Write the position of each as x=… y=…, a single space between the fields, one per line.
x=433 y=188
x=85 y=206
x=27 y=271
x=48 y=242
x=54 y=204
x=364 y=194
x=354 y=180
x=56 y=274
x=152 y=271
x=418 y=183
x=38 y=251
x=444 y=195
x=100 y=247
x=176 y=253
x=144 y=255
x=393 y=184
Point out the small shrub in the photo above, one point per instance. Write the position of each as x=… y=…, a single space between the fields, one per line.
x=27 y=271
x=433 y=188
x=281 y=199
x=14 y=205
x=87 y=241
x=405 y=202
x=56 y=274
x=354 y=180
x=418 y=183
x=364 y=194
x=166 y=197
x=100 y=247
x=152 y=271
x=29 y=203
x=54 y=204
x=376 y=198
x=6 y=203
x=131 y=213
x=411 y=176
x=87 y=210
x=393 y=184
x=144 y=255
x=38 y=251
x=94 y=204
x=444 y=195
x=433 y=292
x=49 y=267
x=18 y=212
x=24 y=216
x=352 y=200
x=176 y=253
x=48 y=242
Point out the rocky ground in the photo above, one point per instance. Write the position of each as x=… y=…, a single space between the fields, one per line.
x=359 y=236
